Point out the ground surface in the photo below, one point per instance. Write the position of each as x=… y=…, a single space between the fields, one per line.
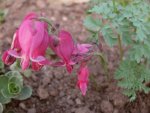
x=55 y=90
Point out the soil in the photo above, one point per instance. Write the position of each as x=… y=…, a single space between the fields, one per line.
x=54 y=90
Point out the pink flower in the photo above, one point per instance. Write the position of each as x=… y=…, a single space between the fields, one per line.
x=82 y=48
x=63 y=46
x=82 y=52
x=30 y=42
x=83 y=75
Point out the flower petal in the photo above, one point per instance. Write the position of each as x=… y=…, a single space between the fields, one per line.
x=7 y=59
x=83 y=88
x=36 y=66
x=83 y=75
x=14 y=54
x=66 y=45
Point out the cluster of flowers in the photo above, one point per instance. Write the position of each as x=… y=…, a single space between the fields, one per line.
x=31 y=41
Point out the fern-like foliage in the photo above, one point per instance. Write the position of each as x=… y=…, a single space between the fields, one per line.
x=131 y=22
x=126 y=23
x=132 y=77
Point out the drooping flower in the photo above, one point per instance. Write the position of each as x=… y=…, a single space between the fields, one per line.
x=30 y=42
x=82 y=49
x=63 y=46
x=83 y=75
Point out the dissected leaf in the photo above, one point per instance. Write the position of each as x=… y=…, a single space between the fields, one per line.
x=92 y=24
x=139 y=51
x=132 y=77
x=109 y=36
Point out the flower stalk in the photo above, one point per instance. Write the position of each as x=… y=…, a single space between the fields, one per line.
x=120 y=47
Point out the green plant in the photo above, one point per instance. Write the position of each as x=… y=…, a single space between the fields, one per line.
x=133 y=77
x=16 y=67
x=125 y=23
x=11 y=87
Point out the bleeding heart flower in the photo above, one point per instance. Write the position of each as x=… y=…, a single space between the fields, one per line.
x=83 y=75
x=30 y=42
x=63 y=46
x=82 y=49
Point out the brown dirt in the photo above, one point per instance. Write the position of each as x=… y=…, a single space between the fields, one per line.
x=54 y=90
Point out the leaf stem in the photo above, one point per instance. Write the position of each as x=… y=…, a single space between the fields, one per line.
x=120 y=47
x=114 y=5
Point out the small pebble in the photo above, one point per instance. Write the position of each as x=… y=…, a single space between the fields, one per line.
x=31 y=110
x=23 y=106
x=106 y=107
x=78 y=101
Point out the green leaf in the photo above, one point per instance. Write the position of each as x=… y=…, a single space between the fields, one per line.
x=125 y=30
x=6 y=93
x=27 y=73
x=130 y=93
x=14 y=88
x=4 y=100
x=15 y=76
x=94 y=37
x=132 y=77
x=92 y=24
x=139 y=51
x=15 y=66
x=25 y=93
x=109 y=36
x=3 y=82
x=1 y=65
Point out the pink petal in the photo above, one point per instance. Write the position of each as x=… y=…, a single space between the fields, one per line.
x=83 y=88
x=41 y=60
x=30 y=15
x=66 y=45
x=36 y=66
x=82 y=48
x=83 y=78
x=15 y=43
x=53 y=42
x=7 y=59
x=14 y=53
x=69 y=68
x=25 y=63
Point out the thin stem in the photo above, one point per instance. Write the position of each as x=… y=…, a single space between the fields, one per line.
x=114 y=5
x=45 y=20
x=123 y=2
x=50 y=26
x=120 y=47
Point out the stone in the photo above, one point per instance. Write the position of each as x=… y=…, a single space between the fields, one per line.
x=42 y=93
x=31 y=110
x=106 y=107
x=53 y=92
x=78 y=101
x=41 y=4
x=22 y=106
